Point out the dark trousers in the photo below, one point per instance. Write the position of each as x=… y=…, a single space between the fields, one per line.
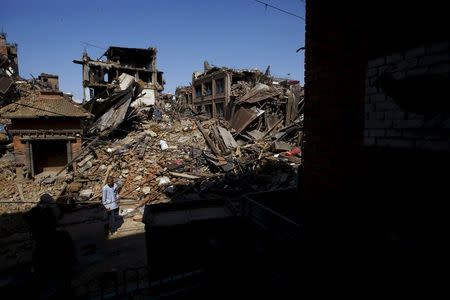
x=113 y=216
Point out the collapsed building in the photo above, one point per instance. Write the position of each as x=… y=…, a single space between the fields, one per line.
x=49 y=81
x=257 y=105
x=44 y=125
x=99 y=75
x=183 y=96
x=9 y=66
x=211 y=92
x=207 y=159
x=114 y=88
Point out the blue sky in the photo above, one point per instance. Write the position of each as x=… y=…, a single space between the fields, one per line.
x=233 y=33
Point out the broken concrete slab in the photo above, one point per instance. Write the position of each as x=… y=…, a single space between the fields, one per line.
x=85 y=194
x=125 y=81
x=256 y=134
x=113 y=117
x=228 y=139
x=146 y=98
x=85 y=167
x=281 y=146
x=85 y=160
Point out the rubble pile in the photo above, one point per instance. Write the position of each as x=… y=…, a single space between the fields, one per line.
x=160 y=147
x=239 y=89
x=271 y=113
x=160 y=162
x=183 y=100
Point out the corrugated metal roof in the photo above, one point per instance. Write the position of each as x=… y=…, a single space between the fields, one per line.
x=43 y=105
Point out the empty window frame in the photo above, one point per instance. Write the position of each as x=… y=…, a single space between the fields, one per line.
x=220 y=109
x=198 y=90
x=208 y=109
x=208 y=88
x=145 y=77
x=220 y=86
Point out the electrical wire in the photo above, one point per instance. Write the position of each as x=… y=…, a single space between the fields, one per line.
x=38 y=108
x=279 y=9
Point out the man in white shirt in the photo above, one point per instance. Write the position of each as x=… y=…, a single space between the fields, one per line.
x=110 y=200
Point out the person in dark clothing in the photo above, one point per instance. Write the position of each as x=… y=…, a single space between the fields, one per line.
x=53 y=255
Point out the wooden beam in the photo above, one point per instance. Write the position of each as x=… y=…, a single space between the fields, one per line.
x=31 y=159
x=182 y=175
x=79 y=154
x=208 y=140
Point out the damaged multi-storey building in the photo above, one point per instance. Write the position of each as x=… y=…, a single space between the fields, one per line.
x=115 y=87
x=211 y=92
x=250 y=100
x=99 y=75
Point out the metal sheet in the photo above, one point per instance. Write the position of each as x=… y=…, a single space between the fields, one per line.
x=242 y=118
x=5 y=84
x=227 y=138
x=258 y=93
x=114 y=116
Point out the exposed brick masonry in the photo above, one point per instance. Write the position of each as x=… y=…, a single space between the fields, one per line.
x=386 y=124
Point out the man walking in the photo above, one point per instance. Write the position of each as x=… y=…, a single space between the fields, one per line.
x=110 y=200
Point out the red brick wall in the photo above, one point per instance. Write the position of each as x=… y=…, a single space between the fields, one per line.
x=76 y=146
x=3 y=48
x=20 y=152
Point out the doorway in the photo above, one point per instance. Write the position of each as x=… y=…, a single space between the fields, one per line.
x=49 y=155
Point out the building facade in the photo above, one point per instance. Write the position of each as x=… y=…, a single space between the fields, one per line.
x=99 y=75
x=211 y=89
x=47 y=131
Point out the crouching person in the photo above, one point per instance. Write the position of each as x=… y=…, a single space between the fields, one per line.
x=110 y=200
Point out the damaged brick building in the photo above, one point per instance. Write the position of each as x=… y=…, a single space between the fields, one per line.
x=240 y=96
x=8 y=56
x=98 y=75
x=49 y=81
x=9 y=65
x=47 y=130
x=211 y=90
x=184 y=97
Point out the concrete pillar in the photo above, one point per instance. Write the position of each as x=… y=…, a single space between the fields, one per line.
x=213 y=94
x=227 y=90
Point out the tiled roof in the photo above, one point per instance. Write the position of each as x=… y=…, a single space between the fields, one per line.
x=43 y=105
